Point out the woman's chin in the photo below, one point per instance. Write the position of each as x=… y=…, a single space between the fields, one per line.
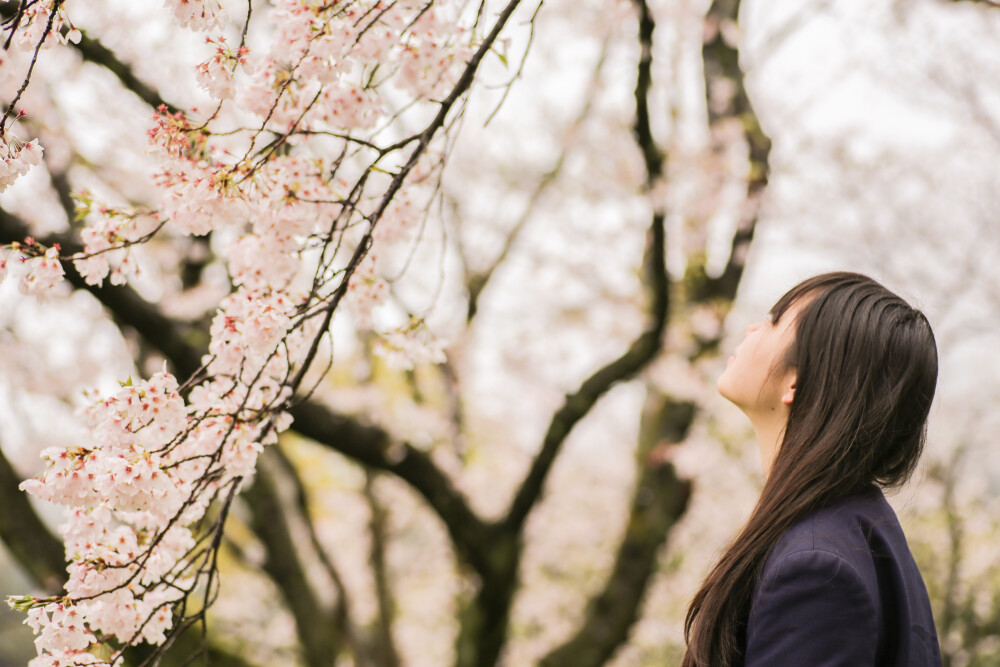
x=722 y=385
x=726 y=389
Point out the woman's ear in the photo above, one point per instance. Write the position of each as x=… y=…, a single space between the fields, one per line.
x=788 y=393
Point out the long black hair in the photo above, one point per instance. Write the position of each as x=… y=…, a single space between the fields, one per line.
x=866 y=369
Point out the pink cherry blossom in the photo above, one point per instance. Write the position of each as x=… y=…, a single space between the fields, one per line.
x=215 y=75
x=197 y=15
x=43 y=273
x=16 y=158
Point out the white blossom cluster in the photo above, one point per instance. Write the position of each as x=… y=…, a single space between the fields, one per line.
x=36 y=274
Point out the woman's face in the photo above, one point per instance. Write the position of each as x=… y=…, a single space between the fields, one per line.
x=756 y=378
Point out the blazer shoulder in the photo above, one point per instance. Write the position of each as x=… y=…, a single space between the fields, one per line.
x=860 y=532
x=848 y=528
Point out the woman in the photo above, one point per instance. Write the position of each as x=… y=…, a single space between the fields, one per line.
x=837 y=383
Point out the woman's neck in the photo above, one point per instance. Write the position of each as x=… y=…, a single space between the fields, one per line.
x=770 y=429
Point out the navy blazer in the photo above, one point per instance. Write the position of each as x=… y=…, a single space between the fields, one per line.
x=841 y=589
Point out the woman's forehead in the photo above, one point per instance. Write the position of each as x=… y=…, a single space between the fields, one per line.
x=791 y=304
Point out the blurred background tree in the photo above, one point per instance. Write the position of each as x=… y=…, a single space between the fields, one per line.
x=633 y=183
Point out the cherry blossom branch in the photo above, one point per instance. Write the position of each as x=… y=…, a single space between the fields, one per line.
x=366 y=444
x=383 y=10
x=282 y=137
x=240 y=400
x=423 y=10
x=93 y=50
x=14 y=20
x=246 y=24
x=461 y=87
x=466 y=522
x=207 y=567
x=340 y=135
x=31 y=67
x=209 y=553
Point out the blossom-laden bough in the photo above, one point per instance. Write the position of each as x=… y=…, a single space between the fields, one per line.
x=304 y=164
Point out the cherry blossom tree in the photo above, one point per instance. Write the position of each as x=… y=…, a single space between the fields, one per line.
x=298 y=167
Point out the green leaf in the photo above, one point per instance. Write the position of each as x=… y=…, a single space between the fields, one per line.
x=82 y=203
x=23 y=602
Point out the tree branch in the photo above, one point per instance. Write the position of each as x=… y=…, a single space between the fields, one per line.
x=341 y=614
x=466 y=528
x=659 y=500
x=372 y=447
x=94 y=51
x=988 y=3
x=314 y=624
x=722 y=66
x=476 y=281
x=28 y=539
x=41 y=554
x=645 y=348
x=385 y=646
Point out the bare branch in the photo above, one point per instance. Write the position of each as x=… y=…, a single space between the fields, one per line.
x=476 y=282
x=645 y=348
x=373 y=447
x=385 y=646
x=988 y=3
x=94 y=51
x=341 y=615
x=660 y=498
x=520 y=67
x=729 y=103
